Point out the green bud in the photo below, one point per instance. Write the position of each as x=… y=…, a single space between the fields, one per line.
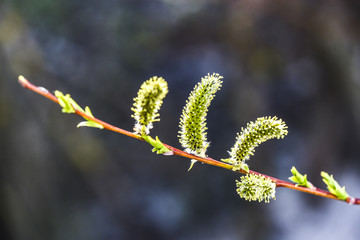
x=299 y=179
x=334 y=187
x=65 y=102
x=147 y=104
x=69 y=105
x=159 y=147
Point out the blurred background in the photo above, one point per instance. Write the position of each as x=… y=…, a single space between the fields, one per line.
x=298 y=60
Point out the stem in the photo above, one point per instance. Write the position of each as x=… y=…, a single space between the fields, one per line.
x=279 y=183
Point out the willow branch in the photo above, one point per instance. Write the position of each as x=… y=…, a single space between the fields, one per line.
x=279 y=183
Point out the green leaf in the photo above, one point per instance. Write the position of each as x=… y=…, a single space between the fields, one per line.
x=238 y=166
x=245 y=167
x=193 y=161
x=90 y=124
x=334 y=187
x=65 y=102
x=70 y=106
x=159 y=147
x=299 y=179
x=87 y=110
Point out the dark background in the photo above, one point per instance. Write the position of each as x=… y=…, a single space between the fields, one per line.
x=298 y=60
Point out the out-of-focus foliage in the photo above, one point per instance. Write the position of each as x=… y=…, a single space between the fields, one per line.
x=298 y=60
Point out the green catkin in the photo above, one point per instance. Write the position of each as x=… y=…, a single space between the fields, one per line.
x=253 y=187
x=193 y=119
x=261 y=130
x=147 y=104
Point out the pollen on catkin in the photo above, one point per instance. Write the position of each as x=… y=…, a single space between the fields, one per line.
x=193 y=119
x=147 y=104
x=257 y=132
x=253 y=187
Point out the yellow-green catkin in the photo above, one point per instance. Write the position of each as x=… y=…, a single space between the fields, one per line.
x=147 y=104
x=193 y=119
x=261 y=130
x=253 y=187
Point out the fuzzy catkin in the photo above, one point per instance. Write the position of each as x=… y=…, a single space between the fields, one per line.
x=193 y=119
x=147 y=104
x=255 y=133
x=253 y=187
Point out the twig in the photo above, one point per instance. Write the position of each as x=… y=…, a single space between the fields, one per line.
x=279 y=183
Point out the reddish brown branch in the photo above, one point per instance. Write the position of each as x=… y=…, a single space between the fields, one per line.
x=279 y=183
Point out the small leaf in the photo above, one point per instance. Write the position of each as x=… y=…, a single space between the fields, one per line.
x=74 y=104
x=87 y=110
x=334 y=187
x=226 y=160
x=245 y=167
x=237 y=167
x=90 y=124
x=70 y=106
x=193 y=161
x=299 y=179
x=293 y=179
x=159 y=147
x=65 y=102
